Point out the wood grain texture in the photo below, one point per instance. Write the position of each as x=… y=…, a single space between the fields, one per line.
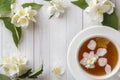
x=47 y=41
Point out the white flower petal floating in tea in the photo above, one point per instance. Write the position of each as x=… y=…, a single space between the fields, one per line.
x=101 y=51
x=102 y=62
x=91 y=45
x=90 y=66
x=93 y=55
x=89 y=59
x=83 y=62
x=107 y=69
x=85 y=54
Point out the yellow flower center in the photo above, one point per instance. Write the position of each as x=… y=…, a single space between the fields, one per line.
x=99 y=10
x=15 y=59
x=13 y=67
x=89 y=60
x=21 y=12
x=56 y=70
x=15 y=18
x=6 y=69
x=23 y=20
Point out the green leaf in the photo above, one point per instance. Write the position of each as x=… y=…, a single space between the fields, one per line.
x=33 y=5
x=48 y=0
x=12 y=1
x=51 y=16
x=25 y=74
x=36 y=73
x=5 y=6
x=16 y=31
x=19 y=30
x=1 y=2
x=80 y=3
x=111 y=20
x=4 y=77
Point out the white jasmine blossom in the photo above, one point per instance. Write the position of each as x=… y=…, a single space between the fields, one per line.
x=101 y=51
x=52 y=11
x=109 y=3
x=96 y=9
x=56 y=8
x=22 y=16
x=31 y=13
x=58 y=70
x=14 y=20
x=102 y=62
x=91 y=45
x=21 y=12
x=13 y=69
x=23 y=21
x=14 y=8
x=89 y=59
x=107 y=69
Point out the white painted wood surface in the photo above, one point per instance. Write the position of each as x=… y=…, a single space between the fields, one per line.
x=47 y=41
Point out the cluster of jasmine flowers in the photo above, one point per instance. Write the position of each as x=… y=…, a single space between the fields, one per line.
x=96 y=9
x=22 y=16
x=13 y=65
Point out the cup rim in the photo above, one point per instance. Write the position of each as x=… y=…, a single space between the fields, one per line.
x=117 y=66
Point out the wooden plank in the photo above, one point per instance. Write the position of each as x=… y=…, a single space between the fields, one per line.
x=42 y=41
x=74 y=25
x=58 y=45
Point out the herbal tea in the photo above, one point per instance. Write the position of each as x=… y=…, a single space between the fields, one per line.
x=98 y=56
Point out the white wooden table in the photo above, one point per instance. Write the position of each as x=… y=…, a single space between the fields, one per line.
x=47 y=40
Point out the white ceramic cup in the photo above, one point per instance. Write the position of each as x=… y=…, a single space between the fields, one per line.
x=117 y=66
